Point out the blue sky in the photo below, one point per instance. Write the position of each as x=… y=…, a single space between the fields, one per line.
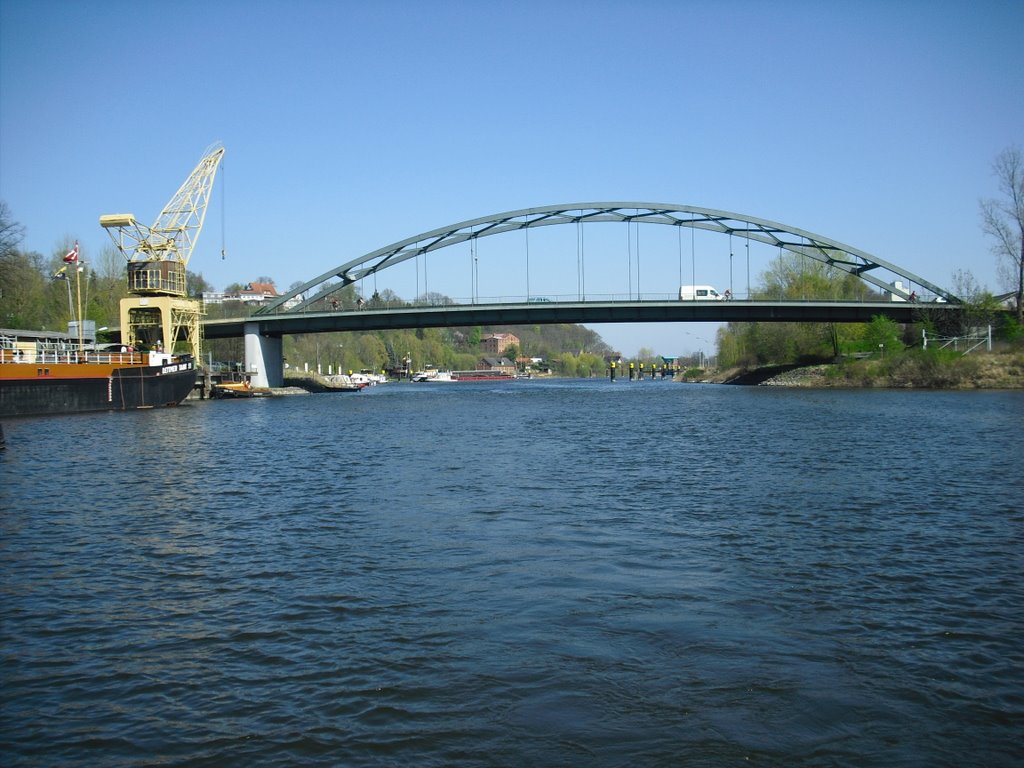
x=349 y=126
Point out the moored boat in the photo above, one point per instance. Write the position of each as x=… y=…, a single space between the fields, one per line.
x=237 y=389
x=49 y=373
x=367 y=378
x=341 y=382
x=431 y=375
x=482 y=375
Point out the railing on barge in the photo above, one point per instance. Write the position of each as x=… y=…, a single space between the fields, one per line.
x=35 y=357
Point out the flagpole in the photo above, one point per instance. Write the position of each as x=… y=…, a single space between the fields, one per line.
x=72 y=258
x=78 y=287
x=71 y=308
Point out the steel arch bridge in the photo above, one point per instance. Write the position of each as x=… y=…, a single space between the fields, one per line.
x=806 y=244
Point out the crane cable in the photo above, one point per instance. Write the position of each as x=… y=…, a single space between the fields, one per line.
x=223 y=217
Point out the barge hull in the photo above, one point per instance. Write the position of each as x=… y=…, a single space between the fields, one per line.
x=123 y=389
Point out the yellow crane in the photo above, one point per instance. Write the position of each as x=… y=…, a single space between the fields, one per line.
x=159 y=310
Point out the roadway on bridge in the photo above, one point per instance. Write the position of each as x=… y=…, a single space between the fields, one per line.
x=572 y=312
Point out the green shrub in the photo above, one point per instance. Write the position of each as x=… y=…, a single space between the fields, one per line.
x=1011 y=331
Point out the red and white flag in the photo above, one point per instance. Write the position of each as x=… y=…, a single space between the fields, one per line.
x=72 y=257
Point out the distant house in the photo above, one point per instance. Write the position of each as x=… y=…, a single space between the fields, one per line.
x=535 y=364
x=258 y=293
x=253 y=293
x=497 y=343
x=502 y=364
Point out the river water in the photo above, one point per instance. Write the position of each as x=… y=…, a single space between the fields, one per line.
x=537 y=573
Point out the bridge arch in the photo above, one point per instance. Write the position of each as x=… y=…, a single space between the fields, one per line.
x=792 y=239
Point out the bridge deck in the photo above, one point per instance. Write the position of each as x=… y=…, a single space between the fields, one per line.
x=573 y=312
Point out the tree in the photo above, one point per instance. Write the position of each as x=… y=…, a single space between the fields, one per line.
x=1003 y=219
x=434 y=299
x=883 y=335
x=979 y=308
x=388 y=298
x=22 y=288
x=589 y=365
x=197 y=284
x=372 y=352
x=791 y=276
x=565 y=364
x=646 y=355
x=28 y=297
x=11 y=232
x=13 y=268
x=108 y=286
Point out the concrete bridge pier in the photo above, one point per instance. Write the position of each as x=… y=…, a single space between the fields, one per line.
x=264 y=358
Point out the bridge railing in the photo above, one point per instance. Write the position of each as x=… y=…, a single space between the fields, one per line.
x=553 y=298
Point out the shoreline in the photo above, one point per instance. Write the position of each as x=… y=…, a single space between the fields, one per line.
x=984 y=371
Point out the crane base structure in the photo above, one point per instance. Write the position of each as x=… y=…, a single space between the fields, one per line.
x=149 y=320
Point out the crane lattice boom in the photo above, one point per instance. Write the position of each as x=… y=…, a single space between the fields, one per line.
x=176 y=230
x=158 y=255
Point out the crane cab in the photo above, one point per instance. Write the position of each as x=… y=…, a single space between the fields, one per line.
x=156 y=278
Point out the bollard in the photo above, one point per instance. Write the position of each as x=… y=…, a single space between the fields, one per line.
x=611 y=371
x=632 y=371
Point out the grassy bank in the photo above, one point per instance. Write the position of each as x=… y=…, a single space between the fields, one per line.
x=914 y=369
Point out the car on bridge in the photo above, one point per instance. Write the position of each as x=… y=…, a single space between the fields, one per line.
x=699 y=293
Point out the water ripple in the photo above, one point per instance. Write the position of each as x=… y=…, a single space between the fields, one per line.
x=532 y=574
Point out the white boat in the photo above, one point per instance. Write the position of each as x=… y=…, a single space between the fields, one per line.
x=433 y=375
x=368 y=379
x=343 y=383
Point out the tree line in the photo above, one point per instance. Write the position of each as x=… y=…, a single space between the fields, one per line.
x=789 y=276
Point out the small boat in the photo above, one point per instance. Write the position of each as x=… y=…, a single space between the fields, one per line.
x=237 y=389
x=367 y=378
x=52 y=373
x=342 y=382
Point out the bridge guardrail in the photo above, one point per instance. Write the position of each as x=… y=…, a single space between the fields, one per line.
x=551 y=298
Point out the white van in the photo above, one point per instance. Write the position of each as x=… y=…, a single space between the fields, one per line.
x=699 y=293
